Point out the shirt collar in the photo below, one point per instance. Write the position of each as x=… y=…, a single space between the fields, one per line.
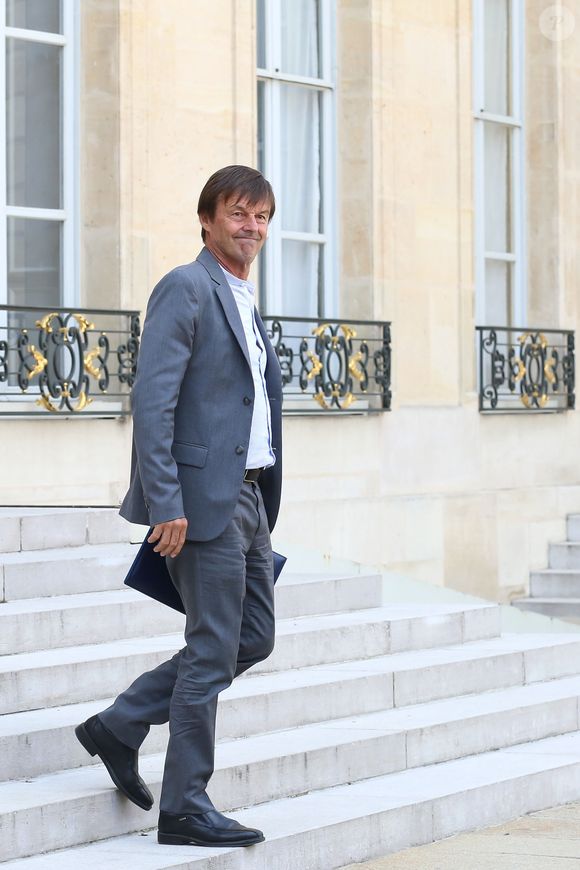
x=234 y=281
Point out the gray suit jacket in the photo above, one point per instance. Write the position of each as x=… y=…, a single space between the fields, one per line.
x=191 y=415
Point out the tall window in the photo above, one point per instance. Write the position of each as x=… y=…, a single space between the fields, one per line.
x=37 y=175
x=499 y=168
x=296 y=153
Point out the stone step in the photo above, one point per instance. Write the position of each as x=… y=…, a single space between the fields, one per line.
x=34 y=745
x=301 y=641
x=573 y=528
x=64 y=571
x=40 y=740
x=327 y=828
x=564 y=555
x=33 y=624
x=99 y=568
x=68 y=675
x=31 y=680
x=47 y=528
x=314 y=594
x=51 y=623
x=557 y=608
x=555 y=583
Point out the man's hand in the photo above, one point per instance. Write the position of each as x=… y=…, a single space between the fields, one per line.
x=170 y=537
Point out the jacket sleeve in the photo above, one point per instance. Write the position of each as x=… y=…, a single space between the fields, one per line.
x=164 y=354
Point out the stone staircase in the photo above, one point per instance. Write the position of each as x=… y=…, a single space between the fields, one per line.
x=555 y=591
x=371 y=728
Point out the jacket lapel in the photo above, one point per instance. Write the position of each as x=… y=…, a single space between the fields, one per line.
x=226 y=297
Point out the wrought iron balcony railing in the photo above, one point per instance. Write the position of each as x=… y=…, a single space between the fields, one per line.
x=526 y=370
x=67 y=362
x=61 y=362
x=330 y=367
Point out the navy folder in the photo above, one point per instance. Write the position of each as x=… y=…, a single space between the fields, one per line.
x=149 y=575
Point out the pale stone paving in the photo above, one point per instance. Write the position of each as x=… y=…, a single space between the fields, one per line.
x=547 y=840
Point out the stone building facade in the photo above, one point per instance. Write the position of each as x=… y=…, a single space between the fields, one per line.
x=413 y=177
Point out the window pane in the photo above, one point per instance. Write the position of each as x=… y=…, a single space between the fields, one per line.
x=498 y=293
x=261 y=32
x=33 y=124
x=34 y=267
x=301 y=265
x=497 y=188
x=300 y=38
x=34 y=15
x=261 y=126
x=497 y=56
x=300 y=196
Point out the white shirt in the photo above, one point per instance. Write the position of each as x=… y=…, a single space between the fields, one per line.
x=260 y=452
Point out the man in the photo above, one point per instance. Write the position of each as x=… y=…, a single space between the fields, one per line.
x=206 y=474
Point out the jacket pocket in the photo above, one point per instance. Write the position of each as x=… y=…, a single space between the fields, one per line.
x=189 y=454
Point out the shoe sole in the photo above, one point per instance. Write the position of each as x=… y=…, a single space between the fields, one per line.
x=89 y=744
x=180 y=840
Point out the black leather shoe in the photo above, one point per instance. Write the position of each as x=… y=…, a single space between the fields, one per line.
x=121 y=761
x=205 y=829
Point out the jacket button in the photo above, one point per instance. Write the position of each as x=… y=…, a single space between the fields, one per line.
x=247 y=400
x=239 y=449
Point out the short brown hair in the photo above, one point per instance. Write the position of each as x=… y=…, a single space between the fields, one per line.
x=242 y=181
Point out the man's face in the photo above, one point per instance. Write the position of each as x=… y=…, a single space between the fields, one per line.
x=237 y=231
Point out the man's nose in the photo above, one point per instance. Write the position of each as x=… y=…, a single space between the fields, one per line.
x=251 y=223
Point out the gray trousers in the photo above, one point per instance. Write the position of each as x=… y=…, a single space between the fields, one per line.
x=227 y=588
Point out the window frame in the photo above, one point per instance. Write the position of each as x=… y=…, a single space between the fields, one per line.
x=515 y=123
x=69 y=96
x=272 y=79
